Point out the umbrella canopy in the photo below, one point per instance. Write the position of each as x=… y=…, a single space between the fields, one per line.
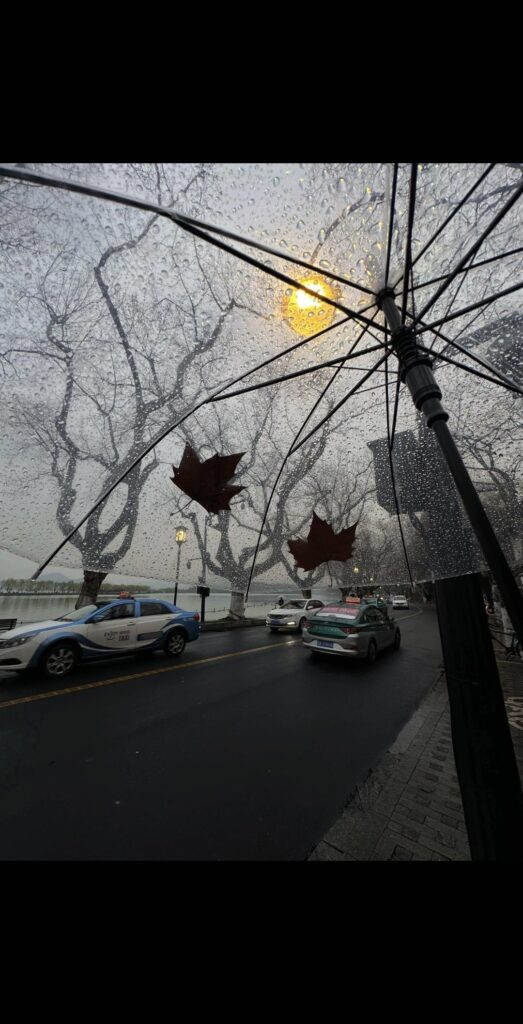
x=243 y=308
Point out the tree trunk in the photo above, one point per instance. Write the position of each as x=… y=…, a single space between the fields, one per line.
x=237 y=607
x=306 y=592
x=90 y=587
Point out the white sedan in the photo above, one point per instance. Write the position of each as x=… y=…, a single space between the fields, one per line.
x=292 y=615
x=399 y=601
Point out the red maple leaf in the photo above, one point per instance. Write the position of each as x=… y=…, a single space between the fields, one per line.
x=322 y=545
x=206 y=482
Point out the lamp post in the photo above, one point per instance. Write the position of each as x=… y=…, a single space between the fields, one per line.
x=203 y=589
x=180 y=537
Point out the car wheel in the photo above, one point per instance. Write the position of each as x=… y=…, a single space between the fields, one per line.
x=301 y=625
x=59 y=660
x=397 y=640
x=174 y=643
x=372 y=652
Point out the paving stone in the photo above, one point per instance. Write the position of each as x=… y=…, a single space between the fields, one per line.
x=324 y=851
x=452 y=805
x=401 y=853
x=414 y=784
x=420 y=798
x=453 y=822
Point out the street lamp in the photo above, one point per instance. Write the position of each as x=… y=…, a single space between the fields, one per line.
x=180 y=537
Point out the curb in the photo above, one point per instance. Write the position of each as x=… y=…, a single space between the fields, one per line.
x=220 y=625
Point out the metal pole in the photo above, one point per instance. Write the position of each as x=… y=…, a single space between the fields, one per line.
x=177 y=571
x=204 y=573
x=416 y=372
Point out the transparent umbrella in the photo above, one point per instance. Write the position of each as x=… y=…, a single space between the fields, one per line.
x=352 y=329
x=131 y=320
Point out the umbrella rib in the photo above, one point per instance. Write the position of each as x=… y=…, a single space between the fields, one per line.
x=481 y=263
x=467 y=309
x=392 y=475
x=279 y=275
x=299 y=373
x=187 y=223
x=395 y=414
x=451 y=216
x=181 y=217
x=471 y=252
x=282 y=467
x=391 y=221
x=471 y=369
x=477 y=359
x=342 y=402
x=466 y=327
x=453 y=299
x=408 y=249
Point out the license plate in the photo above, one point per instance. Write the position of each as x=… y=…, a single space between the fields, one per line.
x=325 y=643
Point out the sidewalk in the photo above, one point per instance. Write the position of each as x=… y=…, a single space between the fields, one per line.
x=409 y=807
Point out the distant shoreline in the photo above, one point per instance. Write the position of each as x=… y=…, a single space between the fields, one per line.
x=115 y=593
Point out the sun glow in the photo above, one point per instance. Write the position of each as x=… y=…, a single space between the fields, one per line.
x=303 y=312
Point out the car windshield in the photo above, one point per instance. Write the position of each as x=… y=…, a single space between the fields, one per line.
x=77 y=613
x=293 y=604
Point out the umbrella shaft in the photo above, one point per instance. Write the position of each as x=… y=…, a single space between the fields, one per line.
x=480 y=523
x=416 y=372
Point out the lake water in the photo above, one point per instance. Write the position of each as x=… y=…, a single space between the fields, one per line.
x=47 y=606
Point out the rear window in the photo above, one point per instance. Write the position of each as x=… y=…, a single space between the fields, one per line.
x=153 y=608
x=344 y=611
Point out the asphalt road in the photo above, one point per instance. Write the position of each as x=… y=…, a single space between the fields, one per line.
x=246 y=748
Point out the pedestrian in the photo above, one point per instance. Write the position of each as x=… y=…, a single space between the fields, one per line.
x=280 y=602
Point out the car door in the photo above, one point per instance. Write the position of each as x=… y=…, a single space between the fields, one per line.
x=115 y=628
x=385 y=629
x=366 y=625
x=152 y=617
x=376 y=626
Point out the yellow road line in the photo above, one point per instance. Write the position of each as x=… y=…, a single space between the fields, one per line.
x=413 y=616
x=140 y=675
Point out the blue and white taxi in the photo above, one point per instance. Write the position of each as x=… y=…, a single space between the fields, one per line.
x=100 y=630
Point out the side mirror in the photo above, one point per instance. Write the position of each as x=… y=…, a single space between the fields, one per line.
x=97 y=617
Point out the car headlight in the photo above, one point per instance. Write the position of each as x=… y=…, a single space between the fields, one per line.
x=15 y=642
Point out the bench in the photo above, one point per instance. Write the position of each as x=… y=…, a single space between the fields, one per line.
x=7 y=624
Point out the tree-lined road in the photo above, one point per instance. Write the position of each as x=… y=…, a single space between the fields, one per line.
x=244 y=749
